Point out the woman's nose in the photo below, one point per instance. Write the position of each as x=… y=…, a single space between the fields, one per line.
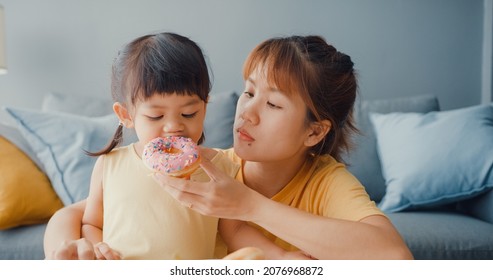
x=249 y=112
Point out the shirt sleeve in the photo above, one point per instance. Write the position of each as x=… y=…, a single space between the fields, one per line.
x=344 y=197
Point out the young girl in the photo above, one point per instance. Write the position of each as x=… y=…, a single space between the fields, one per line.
x=160 y=84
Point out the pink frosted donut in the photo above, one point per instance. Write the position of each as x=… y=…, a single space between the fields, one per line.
x=173 y=155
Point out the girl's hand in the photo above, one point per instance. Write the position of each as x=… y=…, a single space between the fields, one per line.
x=104 y=252
x=221 y=197
x=83 y=249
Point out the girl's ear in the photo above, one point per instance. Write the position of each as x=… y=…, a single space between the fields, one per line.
x=317 y=132
x=123 y=115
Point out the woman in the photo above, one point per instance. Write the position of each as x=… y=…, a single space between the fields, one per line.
x=292 y=124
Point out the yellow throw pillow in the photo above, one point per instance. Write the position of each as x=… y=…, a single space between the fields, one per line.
x=26 y=194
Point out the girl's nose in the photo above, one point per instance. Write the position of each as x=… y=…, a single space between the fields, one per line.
x=172 y=126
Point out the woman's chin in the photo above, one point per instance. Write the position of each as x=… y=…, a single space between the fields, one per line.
x=243 y=149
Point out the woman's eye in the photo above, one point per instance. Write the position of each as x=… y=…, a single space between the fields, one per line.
x=248 y=94
x=189 y=116
x=272 y=105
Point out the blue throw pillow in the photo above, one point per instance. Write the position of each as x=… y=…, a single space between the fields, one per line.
x=59 y=140
x=434 y=158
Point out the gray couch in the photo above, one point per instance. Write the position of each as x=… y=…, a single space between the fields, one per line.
x=459 y=230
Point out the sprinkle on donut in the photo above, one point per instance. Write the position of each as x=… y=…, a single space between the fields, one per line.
x=171 y=155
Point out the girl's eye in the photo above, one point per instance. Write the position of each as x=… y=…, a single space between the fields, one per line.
x=155 y=118
x=274 y=106
x=189 y=116
x=248 y=94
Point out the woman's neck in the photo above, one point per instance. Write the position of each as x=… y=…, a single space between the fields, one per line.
x=270 y=178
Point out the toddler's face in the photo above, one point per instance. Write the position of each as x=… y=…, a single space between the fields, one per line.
x=166 y=115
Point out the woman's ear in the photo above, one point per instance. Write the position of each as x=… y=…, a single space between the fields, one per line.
x=317 y=132
x=123 y=115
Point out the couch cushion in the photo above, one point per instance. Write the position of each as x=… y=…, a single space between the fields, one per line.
x=434 y=158
x=444 y=235
x=363 y=161
x=22 y=243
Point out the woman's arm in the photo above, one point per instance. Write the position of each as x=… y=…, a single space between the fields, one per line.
x=64 y=240
x=373 y=237
x=92 y=220
x=63 y=227
x=320 y=237
x=238 y=234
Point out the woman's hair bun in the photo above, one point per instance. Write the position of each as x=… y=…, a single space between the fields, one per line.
x=343 y=62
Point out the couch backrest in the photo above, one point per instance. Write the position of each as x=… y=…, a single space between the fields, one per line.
x=363 y=161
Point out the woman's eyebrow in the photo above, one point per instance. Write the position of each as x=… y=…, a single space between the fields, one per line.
x=270 y=88
x=250 y=79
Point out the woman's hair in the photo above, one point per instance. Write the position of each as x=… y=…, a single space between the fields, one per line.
x=163 y=63
x=321 y=75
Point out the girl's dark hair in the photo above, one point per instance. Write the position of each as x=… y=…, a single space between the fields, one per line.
x=163 y=63
x=321 y=75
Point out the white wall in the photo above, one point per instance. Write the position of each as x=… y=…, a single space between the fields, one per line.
x=399 y=47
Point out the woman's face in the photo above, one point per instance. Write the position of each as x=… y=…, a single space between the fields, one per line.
x=269 y=125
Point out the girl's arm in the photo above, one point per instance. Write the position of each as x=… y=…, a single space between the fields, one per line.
x=238 y=234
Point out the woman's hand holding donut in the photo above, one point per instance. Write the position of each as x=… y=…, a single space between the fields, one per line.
x=222 y=196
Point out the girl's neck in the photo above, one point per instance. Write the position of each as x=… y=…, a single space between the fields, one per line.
x=138 y=147
x=270 y=178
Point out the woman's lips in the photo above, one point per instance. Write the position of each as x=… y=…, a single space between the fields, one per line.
x=243 y=135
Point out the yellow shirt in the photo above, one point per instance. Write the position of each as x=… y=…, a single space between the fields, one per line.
x=322 y=187
x=142 y=221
